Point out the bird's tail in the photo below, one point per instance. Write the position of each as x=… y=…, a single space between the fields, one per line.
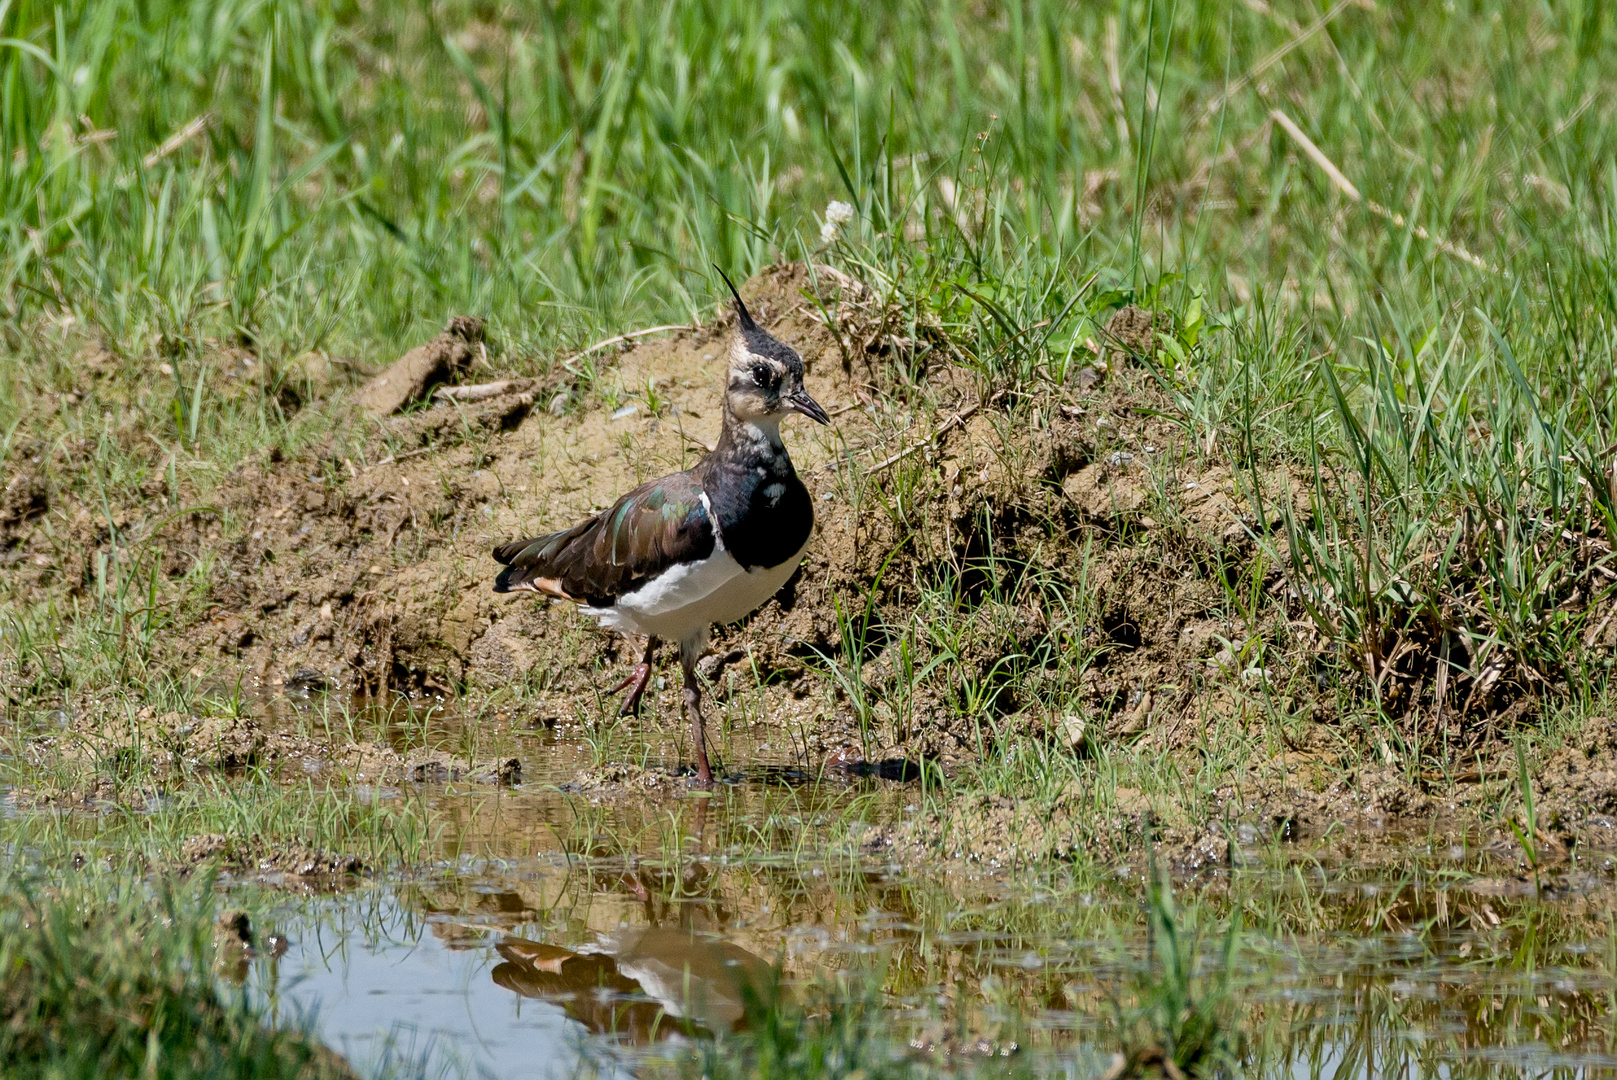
x=530 y=564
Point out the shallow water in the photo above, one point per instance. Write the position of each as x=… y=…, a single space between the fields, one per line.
x=558 y=931
x=563 y=932
x=391 y=992
x=528 y=950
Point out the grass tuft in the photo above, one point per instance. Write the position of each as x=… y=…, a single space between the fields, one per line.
x=109 y=976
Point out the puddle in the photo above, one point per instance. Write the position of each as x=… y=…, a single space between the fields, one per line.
x=559 y=961
x=387 y=991
x=555 y=933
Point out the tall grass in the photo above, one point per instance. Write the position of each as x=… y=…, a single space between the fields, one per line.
x=321 y=175
x=114 y=977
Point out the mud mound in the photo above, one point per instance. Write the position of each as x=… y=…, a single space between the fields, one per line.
x=407 y=379
x=252 y=856
x=1290 y=800
x=1577 y=787
x=125 y=759
x=153 y=746
x=623 y=781
x=980 y=551
x=379 y=580
x=382 y=764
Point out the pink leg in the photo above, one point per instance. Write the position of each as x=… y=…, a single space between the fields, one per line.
x=636 y=682
x=693 y=706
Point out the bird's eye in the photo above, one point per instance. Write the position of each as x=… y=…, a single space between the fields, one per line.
x=760 y=374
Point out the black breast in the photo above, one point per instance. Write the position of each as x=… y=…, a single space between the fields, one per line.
x=764 y=512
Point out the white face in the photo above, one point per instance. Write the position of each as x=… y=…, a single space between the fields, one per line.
x=764 y=389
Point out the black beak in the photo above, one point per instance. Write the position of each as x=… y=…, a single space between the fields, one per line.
x=807 y=406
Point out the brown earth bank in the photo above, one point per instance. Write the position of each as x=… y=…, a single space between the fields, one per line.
x=1052 y=565
x=1367 y=817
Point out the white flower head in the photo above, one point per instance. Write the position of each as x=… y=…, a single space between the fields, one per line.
x=837 y=214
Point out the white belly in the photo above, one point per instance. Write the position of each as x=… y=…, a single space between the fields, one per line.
x=688 y=599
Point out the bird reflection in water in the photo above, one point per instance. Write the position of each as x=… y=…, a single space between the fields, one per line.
x=632 y=983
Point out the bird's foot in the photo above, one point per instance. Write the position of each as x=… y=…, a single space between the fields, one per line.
x=704 y=770
x=636 y=685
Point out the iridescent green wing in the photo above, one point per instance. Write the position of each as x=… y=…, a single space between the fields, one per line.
x=653 y=528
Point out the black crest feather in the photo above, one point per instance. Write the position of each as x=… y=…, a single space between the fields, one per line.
x=742 y=313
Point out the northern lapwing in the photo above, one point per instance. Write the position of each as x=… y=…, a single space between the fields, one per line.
x=707 y=546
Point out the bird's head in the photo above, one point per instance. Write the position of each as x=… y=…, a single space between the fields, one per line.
x=765 y=381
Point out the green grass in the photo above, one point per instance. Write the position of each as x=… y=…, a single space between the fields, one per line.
x=107 y=975
x=359 y=178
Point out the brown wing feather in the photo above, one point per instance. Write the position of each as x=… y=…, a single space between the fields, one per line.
x=656 y=526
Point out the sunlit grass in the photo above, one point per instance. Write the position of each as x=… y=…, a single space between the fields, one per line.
x=211 y=194
x=109 y=975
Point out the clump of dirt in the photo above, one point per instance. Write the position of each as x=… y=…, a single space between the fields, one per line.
x=995 y=832
x=296 y=857
x=1286 y=802
x=1577 y=787
x=379 y=579
x=232 y=934
x=1133 y=331
x=409 y=378
x=24 y=498
x=428 y=766
x=617 y=781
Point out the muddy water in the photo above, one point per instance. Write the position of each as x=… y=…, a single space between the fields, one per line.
x=535 y=969
x=562 y=934
x=563 y=929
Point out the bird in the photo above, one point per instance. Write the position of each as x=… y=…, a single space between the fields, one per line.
x=694 y=549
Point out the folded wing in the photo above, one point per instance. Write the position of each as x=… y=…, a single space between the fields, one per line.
x=657 y=527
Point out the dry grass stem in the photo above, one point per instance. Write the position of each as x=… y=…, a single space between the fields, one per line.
x=1344 y=185
x=1257 y=71
x=1114 y=80
x=177 y=140
x=620 y=338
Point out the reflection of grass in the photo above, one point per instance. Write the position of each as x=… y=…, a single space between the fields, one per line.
x=1526 y=830
x=1182 y=1019
x=836 y=1028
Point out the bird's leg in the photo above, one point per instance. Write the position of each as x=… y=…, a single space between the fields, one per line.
x=637 y=680
x=693 y=706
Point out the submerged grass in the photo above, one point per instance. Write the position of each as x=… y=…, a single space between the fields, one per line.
x=1277 y=970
